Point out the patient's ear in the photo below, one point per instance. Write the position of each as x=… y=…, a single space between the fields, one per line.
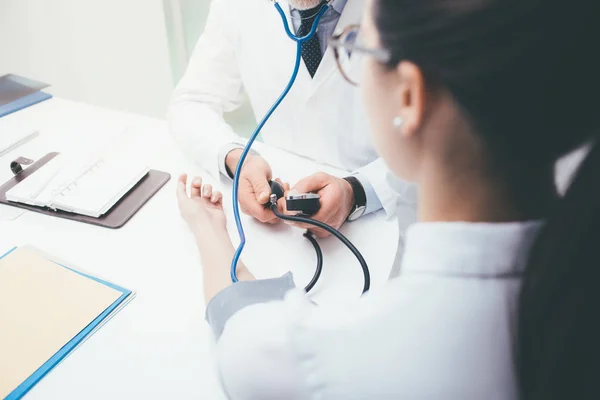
x=411 y=98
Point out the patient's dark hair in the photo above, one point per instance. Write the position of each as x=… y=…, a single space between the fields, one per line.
x=527 y=74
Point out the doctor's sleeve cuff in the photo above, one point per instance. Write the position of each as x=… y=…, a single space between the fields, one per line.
x=373 y=202
x=243 y=294
x=222 y=158
x=223 y=152
x=390 y=190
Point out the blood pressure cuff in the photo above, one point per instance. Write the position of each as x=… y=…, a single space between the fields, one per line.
x=243 y=294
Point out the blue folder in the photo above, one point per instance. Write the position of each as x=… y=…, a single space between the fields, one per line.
x=24 y=387
x=23 y=102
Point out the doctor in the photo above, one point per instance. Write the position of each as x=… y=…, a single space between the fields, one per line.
x=243 y=51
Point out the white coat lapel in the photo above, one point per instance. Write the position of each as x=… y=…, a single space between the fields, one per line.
x=288 y=46
x=351 y=15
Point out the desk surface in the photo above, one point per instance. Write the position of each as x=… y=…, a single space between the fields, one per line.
x=159 y=345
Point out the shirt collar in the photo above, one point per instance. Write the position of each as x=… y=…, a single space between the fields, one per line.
x=338 y=5
x=475 y=249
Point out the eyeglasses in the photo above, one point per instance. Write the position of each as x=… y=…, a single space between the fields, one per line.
x=345 y=45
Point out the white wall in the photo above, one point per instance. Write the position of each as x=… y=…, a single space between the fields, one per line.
x=111 y=53
x=185 y=20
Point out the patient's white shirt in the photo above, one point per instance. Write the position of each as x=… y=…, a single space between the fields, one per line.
x=443 y=329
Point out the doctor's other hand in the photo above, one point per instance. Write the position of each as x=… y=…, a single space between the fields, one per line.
x=337 y=200
x=254 y=189
x=203 y=208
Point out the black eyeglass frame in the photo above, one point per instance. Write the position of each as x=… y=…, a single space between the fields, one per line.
x=337 y=43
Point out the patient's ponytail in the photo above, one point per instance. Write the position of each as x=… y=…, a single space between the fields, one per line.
x=559 y=319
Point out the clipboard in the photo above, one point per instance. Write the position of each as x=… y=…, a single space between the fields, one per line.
x=115 y=218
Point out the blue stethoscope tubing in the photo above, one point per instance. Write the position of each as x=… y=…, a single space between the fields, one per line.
x=236 y=178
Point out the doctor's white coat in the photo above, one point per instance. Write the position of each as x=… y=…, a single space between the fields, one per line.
x=244 y=50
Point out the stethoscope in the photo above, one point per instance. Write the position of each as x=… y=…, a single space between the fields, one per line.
x=236 y=179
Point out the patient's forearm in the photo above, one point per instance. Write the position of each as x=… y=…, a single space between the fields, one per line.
x=216 y=253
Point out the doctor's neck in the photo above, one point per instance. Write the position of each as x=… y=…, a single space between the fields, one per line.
x=304 y=4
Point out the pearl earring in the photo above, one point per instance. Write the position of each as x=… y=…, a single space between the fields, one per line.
x=398 y=122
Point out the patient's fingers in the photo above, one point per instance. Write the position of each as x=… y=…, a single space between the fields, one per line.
x=182 y=178
x=216 y=197
x=181 y=182
x=180 y=192
x=196 y=187
x=207 y=191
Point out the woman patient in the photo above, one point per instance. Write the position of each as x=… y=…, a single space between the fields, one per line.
x=474 y=100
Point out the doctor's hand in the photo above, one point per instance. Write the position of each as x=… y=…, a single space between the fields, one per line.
x=254 y=189
x=202 y=209
x=337 y=200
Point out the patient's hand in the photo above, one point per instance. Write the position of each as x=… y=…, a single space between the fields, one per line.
x=203 y=211
x=203 y=208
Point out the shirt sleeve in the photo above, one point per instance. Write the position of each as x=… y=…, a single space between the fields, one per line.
x=386 y=191
x=373 y=203
x=243 y=294
x=226 y=149
x=211 y=85
x=255 y=356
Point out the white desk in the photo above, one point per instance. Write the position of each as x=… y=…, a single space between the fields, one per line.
x=159 y=346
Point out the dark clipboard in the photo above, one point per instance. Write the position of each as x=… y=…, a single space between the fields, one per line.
x=115 y=218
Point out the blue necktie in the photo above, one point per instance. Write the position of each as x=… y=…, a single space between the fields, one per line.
x=311 y=50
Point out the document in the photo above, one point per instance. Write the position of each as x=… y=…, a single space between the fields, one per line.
x=87 y=183
x=43 y=306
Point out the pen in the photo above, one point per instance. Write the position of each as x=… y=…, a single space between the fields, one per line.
x=19 y=143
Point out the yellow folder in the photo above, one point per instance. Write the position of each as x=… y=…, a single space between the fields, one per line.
x=44 y=308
